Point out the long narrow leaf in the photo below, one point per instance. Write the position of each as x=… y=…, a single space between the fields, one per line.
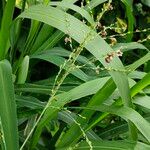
x=8 y=113
x=5 y=27
x=79 y=10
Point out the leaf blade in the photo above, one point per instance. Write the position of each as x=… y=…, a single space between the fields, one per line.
x=8 y=107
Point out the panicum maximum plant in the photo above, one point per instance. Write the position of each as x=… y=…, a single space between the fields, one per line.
x=74 y=75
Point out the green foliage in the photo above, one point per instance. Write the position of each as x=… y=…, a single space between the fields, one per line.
x=74 y=74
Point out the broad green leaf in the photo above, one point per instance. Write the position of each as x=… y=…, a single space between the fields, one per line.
x=83 y=90
x=136 y=75
x=8 y=114
x=145 y=81
x=143 y=101
x=76 y=8
x=139 y=62
x=129 y=46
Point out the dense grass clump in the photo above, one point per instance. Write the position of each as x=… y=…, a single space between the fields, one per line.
x=74 y=74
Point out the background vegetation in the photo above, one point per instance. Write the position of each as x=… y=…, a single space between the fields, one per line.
x=74 y=74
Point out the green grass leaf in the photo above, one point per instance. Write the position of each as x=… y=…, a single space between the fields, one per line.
x=76 y=8
x=142 y=101
x=139 y=62
x=144 y=82
x=8 y=115
x=129 y=46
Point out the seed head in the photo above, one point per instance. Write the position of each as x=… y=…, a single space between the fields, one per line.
x=103 y=33
x=68 y=39
x=119 y=53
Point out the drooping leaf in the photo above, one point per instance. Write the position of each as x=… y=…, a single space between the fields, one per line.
x=129 y=46
x=79 y=10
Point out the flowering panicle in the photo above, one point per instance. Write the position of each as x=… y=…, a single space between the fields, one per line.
x=111 y=55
